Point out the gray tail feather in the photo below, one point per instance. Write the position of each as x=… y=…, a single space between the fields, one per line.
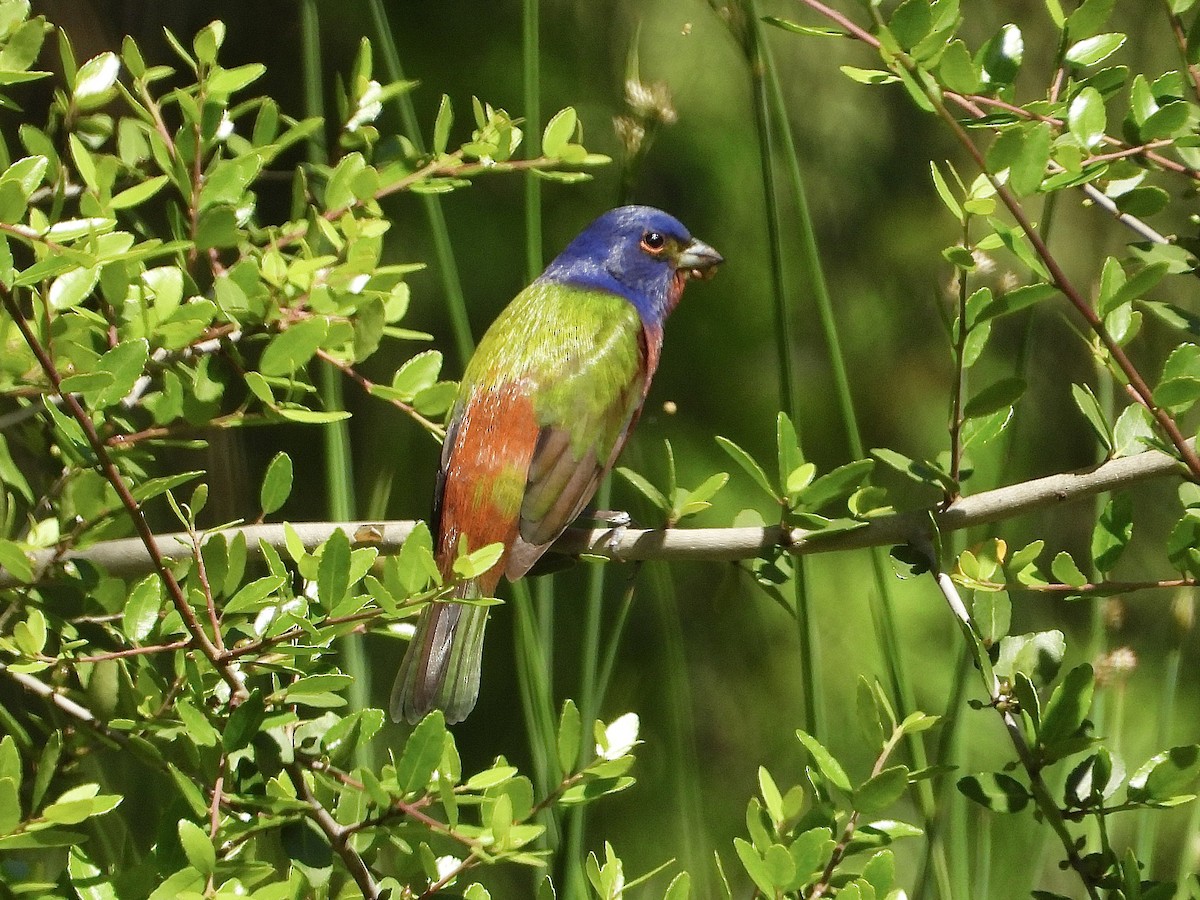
x=441 y=667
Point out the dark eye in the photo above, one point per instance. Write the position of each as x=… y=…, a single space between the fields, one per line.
x=653 y=242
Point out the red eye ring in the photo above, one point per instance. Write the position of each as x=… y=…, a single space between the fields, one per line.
x=653 y=242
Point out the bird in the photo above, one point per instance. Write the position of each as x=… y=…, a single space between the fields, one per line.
x=544 y=407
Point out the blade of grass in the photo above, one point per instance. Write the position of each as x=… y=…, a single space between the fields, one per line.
x=531 y=80
x=759 y=62
x=339 y=463
x=1183 y=617
x=456 y=303
x=536 y=702
x=689 y=801
x=935 y=859
x=589 y=709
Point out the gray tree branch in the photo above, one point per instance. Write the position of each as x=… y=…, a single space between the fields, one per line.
x=129 y=557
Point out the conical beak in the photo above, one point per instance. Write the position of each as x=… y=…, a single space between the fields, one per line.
x=699 y=260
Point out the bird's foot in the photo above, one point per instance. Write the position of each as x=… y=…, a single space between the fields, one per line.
x=617 y=521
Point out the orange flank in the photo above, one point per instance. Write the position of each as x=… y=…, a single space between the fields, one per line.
x=486 y=470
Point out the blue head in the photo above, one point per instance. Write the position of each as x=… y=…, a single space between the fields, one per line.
x=639 y=252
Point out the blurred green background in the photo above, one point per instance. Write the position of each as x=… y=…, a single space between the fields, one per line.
x=709 y=662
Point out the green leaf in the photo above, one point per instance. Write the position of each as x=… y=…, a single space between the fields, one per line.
x=992 y=612
x=1168 y=122
x=1143 y=202
x=1086 y=117
x=417 y=374
x=880 y=872
x=277 y=483
x=73 y=287
x=918 y=470
x=1087 y=403
x=995 y=397
x=1037 y=656
x=958 y=70
x=880 y=791
x=1065 y=711
x=797 y=28
x=1166 y=775
x=1017 y=299
x=125 y=363
x=828 y=766
x=10 y=805
x=1065 y=570
x=47 y=767
x=217 y=228
x=1179 y=386
x=943 y=189
x=200 y=730
x=228 y=179
x=996 y=791
x=1094 y=49
x=477 y=562
x=1028 y=169
x=755 y=866
x=911 y=22
x=570 y=731
x=422 y=753
x=841 y=482
x=643 y=486
x=680 y=887
x=88 y=879
x=139 y=193
x=1133 y=431
x=197 y=847
x=244 y=722
x=34 y=840
x=749 y=466
x=222 y=82
x=559 y=131
x=142 y=608
x=14 y=561
x=870 y=716
x=1089 y=18
x=292 y=349
x=441 y=126
x=1112 y=533
x=93 y=84
x=188 y=790
x=208 y=41
x=1000 y=58
x=30 y=634
x=333 y=571
x=869 y=76
x=79 y=804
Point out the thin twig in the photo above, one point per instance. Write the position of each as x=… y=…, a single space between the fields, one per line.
x=367 y=385
x=1033 y=769
x=338 y=835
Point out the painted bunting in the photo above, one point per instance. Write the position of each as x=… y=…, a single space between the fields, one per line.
x=545 y=405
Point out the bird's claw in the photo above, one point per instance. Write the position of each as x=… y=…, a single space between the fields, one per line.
x=618 y=521
x=614 y=518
